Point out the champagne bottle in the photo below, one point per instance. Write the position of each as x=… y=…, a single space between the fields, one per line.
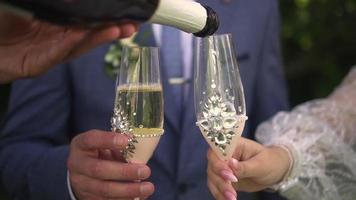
x=186 y=15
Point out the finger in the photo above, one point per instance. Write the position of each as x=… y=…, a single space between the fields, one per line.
x=110 y=170
x=136 y=27
x=117 y=155
x=220 y=167
x=130 y=22
x=113 y=155
x=214 y=191
x=101 y=36
x=88 y=196
x=245 y=149
x=105 y=154
x=213 y=158
x=223 y=186
x=109 y=189
x=93 y=39
x=58 y=44
x=249 y=168
x=96 y=139
x=247 y=185
x=218 y=195
x=13 y=26
x=127 y=30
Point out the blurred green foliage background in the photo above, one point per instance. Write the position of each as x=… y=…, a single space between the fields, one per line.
x=319 y=47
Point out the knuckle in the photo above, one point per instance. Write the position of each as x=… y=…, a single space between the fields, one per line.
x=240 y=171
x=106 y=190
x=132 y=191
x=70 y=164
x=73 y=143
x=219 y=166
x=120 y=171
x=125 y=171
x=86 y=140
x=120 y=141
x=75 y=180
x=96 y=168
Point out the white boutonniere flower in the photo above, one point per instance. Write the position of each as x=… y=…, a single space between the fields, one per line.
x=113 y=56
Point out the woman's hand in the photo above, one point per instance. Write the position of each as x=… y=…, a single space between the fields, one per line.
x=29 y=47
x=256 y=167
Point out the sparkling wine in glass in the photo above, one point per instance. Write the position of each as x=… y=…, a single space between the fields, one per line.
x=138 y=111
x=219 y=96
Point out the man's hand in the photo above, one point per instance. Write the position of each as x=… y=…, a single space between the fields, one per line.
x=29 y=47
x=256 y=167
x=97 y=171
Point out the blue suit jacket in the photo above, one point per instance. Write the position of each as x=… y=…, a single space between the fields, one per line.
x=46 y=112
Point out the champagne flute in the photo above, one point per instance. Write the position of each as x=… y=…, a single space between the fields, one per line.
x=138 y=110
x=218 y=92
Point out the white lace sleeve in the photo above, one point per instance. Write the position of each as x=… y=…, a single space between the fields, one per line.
x=321 y=135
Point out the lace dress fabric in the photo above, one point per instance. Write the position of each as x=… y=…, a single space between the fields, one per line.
x=321 y=136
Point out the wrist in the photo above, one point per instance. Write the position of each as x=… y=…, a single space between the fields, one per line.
x=286 y=165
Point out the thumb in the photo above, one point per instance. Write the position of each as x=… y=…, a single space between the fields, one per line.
x=246 y=169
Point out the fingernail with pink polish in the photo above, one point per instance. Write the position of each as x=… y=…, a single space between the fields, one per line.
x=229 y=195
x=228 y=175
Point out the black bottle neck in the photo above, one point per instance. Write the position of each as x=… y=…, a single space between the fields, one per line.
x=212 y=23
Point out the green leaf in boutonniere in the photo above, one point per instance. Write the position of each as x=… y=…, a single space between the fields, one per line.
x=112 y=58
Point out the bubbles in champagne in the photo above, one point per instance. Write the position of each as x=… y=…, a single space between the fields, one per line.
x=142 y=108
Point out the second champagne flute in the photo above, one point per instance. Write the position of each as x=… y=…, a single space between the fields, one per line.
x=138 y=111
x=219 y=96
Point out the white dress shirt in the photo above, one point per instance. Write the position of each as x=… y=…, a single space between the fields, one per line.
x=186 y=48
